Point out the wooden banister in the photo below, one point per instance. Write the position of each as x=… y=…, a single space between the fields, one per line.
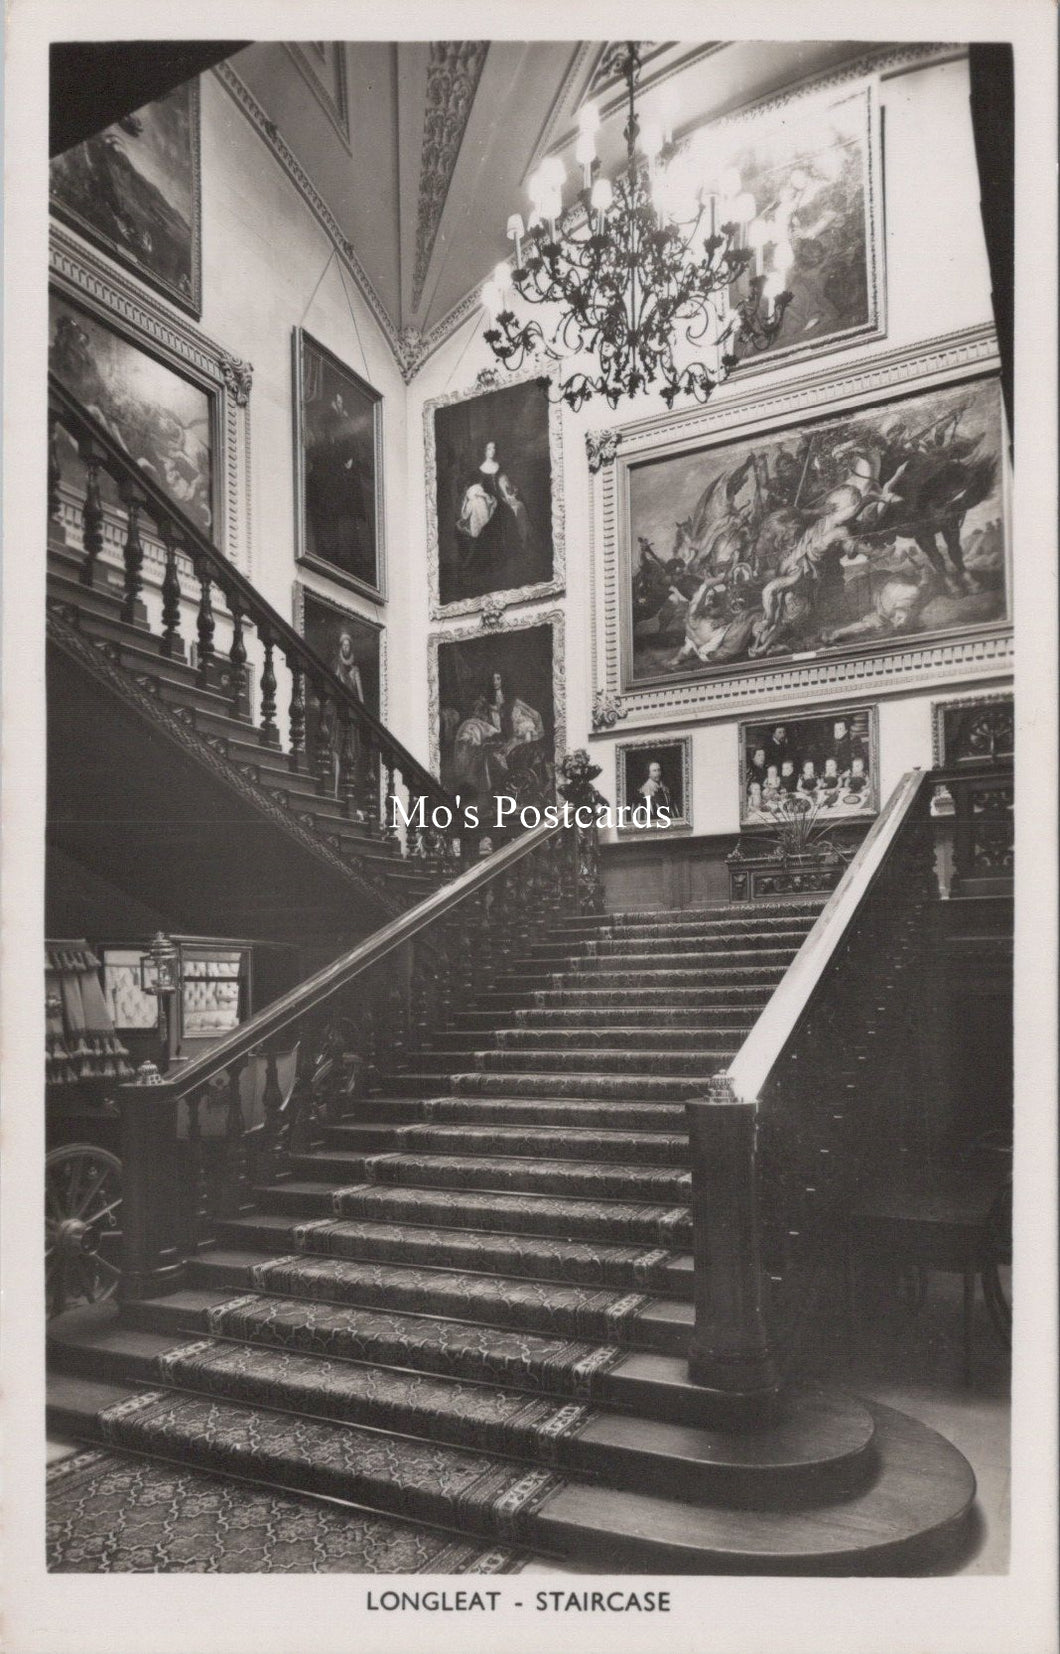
x=176 y=530
x=763 y=1048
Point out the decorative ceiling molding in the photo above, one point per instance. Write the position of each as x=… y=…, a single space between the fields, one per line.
x=273 y=138
x=453 y=71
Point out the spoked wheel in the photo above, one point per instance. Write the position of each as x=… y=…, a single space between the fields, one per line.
x=82 y=1225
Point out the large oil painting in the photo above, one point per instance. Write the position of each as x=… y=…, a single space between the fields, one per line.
x=134 y=191
x=497 y=716
x=338 y=458
x=824 y=766
x=812 y=168
x=164 y=422
x=352 y=647
x=819 y=539
x=491 y=490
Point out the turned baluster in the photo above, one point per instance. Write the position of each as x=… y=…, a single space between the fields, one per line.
x=91 y=512
x=323 y=720
x=234 y=1183
x=296 y=714
x=237 y=656
x=172 y=642
x=132 y=609
x=272 y=1107
x=197 y=1192
x=55 y=470
x=205 y=625
x=346 y=766
x=390 y=832
x=268 y=734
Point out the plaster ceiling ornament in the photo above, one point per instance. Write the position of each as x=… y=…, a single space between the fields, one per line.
x=638 y=271
x=453 y=70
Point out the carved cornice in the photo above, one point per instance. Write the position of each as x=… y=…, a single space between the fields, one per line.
x=601 y=448
x=607 y=710
x=273 y=138
x=453 y=71
x=99 y=659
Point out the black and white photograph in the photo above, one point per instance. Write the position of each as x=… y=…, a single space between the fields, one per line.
x=338 y=460
x=654 y=779
x=494 y=479
x=529 y=958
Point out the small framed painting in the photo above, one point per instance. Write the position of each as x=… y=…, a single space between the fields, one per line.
x=350 y=644
x=827 y=764
x=338 y=469
x=977 y=729
x=654 y=785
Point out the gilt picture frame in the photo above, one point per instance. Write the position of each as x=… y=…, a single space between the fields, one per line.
x=962 y=631
x=495 y=522
x=825 y=763
x=472 y=742
x=322 y=620
x=633 y=772
x=134 y=191
x=338 y=458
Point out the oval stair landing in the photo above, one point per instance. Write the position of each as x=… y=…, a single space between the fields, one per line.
x=465 y=1312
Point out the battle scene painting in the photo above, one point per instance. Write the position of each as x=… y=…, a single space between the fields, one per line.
x=338 y=437
x=161 y=419
x=497 y=718
x=493 y=492
x=133 y=190
x=853 y=531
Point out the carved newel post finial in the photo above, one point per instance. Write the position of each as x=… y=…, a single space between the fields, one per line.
x=578 y=773
x=730 y=1353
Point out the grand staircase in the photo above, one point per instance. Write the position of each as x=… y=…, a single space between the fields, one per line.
x=464 y=1309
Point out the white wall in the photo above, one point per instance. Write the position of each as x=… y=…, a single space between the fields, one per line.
x=937 y=283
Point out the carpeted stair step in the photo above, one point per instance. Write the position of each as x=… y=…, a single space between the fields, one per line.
x=730 y=1019
x=748 y=995
x=569 y=1142
x=698 y=944
x=628 y=1087
x=540 y=1257
x=501 y=1173
x=871 y=1527
x=631 y=1320
x=608 y=1221
x=642 y=1037
x=734 y=915
x=821 y=1446
x=763 y=977
x=572 y=1059
x=513 y=1111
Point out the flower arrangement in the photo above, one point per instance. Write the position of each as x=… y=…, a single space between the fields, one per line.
x=579 y=772
x=796 y=830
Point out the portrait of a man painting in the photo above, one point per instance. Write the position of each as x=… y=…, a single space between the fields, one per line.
x=493 y=492
x=810 y=170
x=338 y=437
x=162 y=420
x=826 y=765
x=351 y=646
x=851 y=531
x=497 y=720
x=653 y=780
x=133 y=190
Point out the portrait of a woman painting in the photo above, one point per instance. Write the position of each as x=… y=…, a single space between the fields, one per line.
x=493 y=492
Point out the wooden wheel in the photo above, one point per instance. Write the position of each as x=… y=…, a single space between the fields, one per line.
x=82 y=1225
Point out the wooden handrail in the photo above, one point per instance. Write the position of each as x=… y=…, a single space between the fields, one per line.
x=234 y=583
x=747 y=1074
x=271 y=1021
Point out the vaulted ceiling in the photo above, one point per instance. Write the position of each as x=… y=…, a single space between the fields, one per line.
x=422 y=149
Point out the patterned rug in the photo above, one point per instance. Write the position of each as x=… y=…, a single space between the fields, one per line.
x=109 y=1513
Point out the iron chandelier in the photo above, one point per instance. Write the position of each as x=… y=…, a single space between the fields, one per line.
x=640 y=273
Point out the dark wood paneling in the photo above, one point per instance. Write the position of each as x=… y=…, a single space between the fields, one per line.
x=674 y=873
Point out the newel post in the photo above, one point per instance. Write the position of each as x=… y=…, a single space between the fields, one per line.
x=152 y=1255
x=730 y=1354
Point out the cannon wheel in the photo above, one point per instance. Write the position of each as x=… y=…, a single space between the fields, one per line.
x=82 y=1225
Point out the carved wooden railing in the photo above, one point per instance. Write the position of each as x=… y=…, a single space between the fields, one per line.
x=815 y=1092
x=188 y=1158
x=329 y=734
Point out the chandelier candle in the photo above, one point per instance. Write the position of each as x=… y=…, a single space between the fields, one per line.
x=639 y=269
